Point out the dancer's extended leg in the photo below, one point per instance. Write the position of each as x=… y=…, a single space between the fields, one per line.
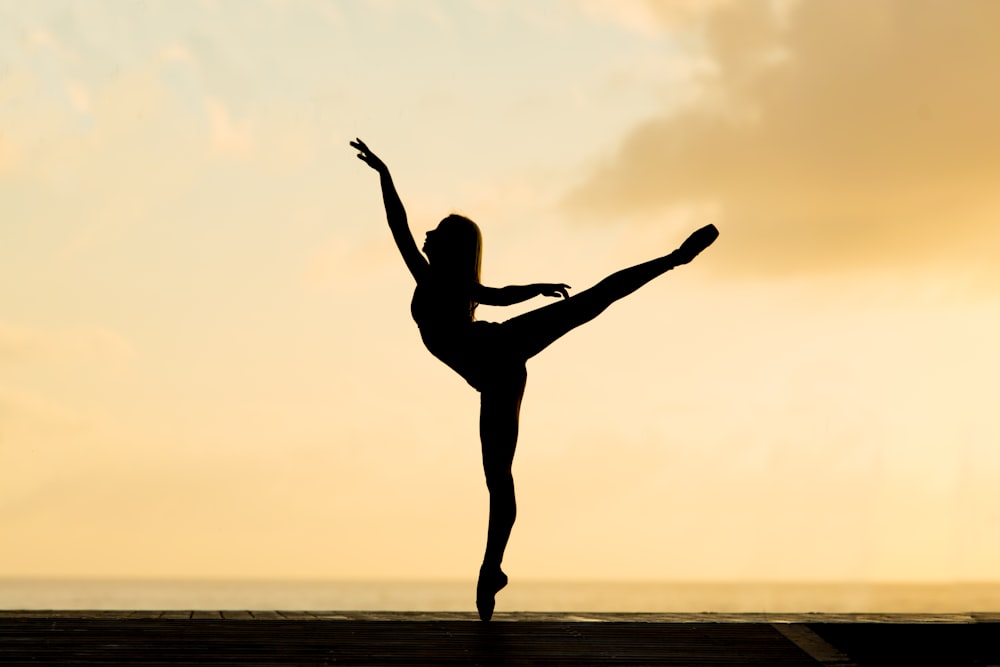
x=535 y=330
x=498 y=425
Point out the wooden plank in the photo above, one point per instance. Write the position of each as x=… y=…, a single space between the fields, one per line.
x=456 y=638
x=298 y=615
x=595 y=617
x=986 y=617
x=398 y=641
x=812 y=644
x=931 y=644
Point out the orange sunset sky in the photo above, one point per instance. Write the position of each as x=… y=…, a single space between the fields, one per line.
x=207 y=363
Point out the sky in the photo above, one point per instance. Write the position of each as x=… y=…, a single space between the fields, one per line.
x=207 y=364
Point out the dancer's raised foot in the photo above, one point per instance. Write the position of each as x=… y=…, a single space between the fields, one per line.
x=698 y=241
x=491 y=581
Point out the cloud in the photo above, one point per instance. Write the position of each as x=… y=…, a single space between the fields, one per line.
x=41 y=39
x=177 y=53
x=22 y=412
x=831 y=136
x=78 y=344
x=229 y=136
x=651 y=17
x=79 y=96
x=8 y=155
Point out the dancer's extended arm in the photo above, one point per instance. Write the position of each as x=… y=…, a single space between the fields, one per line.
x=395 y=214
x=506 y=296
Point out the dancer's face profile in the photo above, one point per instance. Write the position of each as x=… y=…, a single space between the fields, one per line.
x=455 y=246
x=433 y=241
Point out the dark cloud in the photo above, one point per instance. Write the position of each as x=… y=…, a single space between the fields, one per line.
x=847 y=135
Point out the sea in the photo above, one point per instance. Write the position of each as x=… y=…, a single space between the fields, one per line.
x=562 y=596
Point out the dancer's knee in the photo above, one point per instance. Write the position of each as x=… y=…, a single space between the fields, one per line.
x=500 y=482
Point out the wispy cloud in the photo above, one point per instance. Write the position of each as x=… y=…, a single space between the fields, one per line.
x=838 y=136
x=177 y=53
x=651 y=17
x=230 y=136
x=44 y=40
x=79 y=96
x=77 y=344
x=8 y=154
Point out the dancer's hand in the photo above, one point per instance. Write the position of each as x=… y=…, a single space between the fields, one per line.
x=698 y=241
x=369 y=158
x=554 y=290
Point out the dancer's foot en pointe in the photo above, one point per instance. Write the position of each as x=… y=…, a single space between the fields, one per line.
x=491 y=581
x=694 y=244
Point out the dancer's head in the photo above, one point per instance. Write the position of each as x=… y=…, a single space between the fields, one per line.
x=455 y=248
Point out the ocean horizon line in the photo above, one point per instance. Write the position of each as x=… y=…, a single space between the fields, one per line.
x=521 y=595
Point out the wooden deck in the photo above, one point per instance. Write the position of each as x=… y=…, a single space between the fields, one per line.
x=411 y=638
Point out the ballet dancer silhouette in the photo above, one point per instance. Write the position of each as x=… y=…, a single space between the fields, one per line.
x=491 y=356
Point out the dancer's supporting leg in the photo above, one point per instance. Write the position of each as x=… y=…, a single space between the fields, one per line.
x=535 y=330
x=498 y=424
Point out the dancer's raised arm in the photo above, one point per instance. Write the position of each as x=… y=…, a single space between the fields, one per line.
x=395 y=214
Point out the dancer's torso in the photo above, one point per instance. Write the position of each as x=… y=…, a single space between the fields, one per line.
x=444 y=316
x=437 y=306
x=473 y=349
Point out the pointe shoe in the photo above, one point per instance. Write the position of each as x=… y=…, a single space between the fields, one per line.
x=694 y=244
x=486 y=589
